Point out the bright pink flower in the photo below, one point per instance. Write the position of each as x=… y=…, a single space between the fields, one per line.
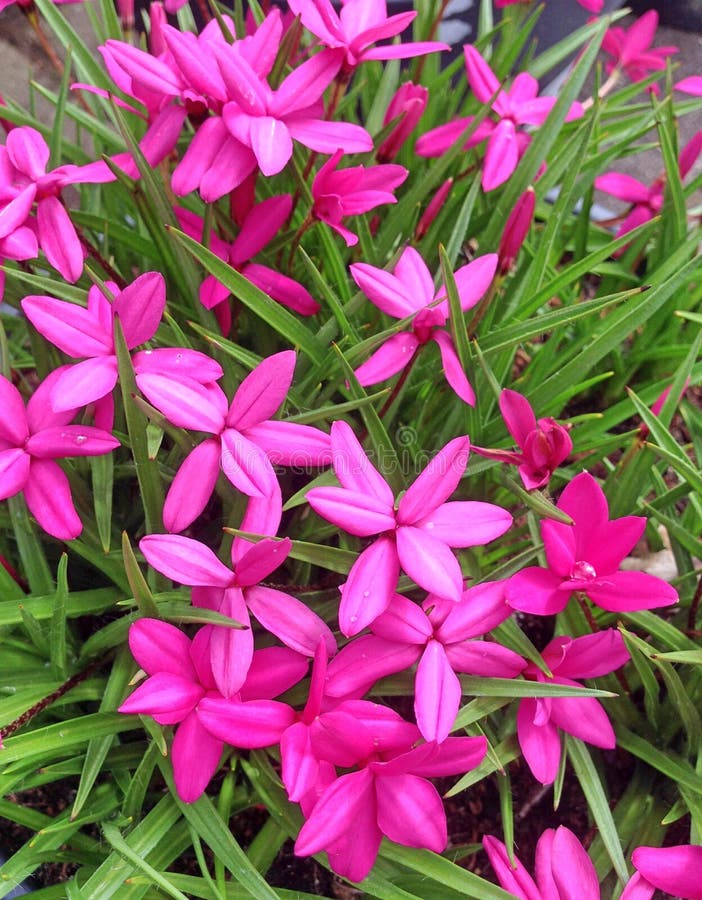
x=631 y=50
x=691 y=85
x=407 y=105
x=31 y=440
x=674 y=870
x=350 y=192
x=585 y=557
x=647 y=201
x=543 y=444
x=564 y=871
x=593 y=6
x=540 y=718
x=409 y=290
x=516 y=229
x=417 y=534
x=245 y=441
x=389 y=795
x=515 y=107
x=360 y=24
x=438 y=636
x=259 y=226
x=234 y=592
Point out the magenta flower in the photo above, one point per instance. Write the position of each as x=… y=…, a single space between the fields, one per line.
x=593 y=6
x=245 y=441
x=350 y=192
x=631 y=50
x=258 y=228
x=543 y=444
x=417 y=534
x=234 y=592
x=516 y=107
x=31 y=440
x=540 y=718
x=674 y=870
x=389 y=795
x=406 y=106
x=585 y=557
x=360 y=24
x=438 y=636
x=564 y=871
x=409 y=291
x=647 y=201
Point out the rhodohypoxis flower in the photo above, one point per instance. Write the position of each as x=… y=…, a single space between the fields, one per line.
x=389 y=795
x=515 y=107
x=360 y=24
x=244 y=440
x=409 y=291
x=631 y=50
x=31 y=440
x=540 y=718
x=675 y=870
x=417 y=534
x=338 y=193
x=89 y=332
x=585 y=557
x=180 y=677
x=543 y=444
x=234 y=592
x=258 y=228
x=438 y=636
x=407 y=105
x=646 y=200
x=593 y=6
x=563 y=869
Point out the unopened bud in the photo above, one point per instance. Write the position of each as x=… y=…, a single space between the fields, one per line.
x=409 y=102
x=432 y=210
x=516 y=229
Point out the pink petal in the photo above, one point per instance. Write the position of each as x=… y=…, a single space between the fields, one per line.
x=185 y=404
x=437 y=141
x=249 y=725
x=69 y=327
x=484 y=658
x=560 y=546
x=410 y=812
x=290 y=444
x=584 y=718
x=249 y=91
x=429 y=562
x=306 y=83
x=369 y=587
x=540 y=744
x=562 y=861
x=56 y=442
x=403 y=621
x=589 y=656
x=414 y=275
x=481 y=78
x=337 y=811
x=178 y=363
x=195 y=755
x=28 y=151
x=199 y=156
x=390 y=358
x=501 y=156
x=282 y=289
x=48 y=496
x=353 y=468
x=672 y=869
x=263 y=391
x=631 y=591
x=257 y=563
x=13 y=422
x=84 y=383
x=584 y=493
x=518 y=415
x=480 y=609
x=453 y=370
x=536 y=590
x=14 y=471
x=271 y=143
x=299 y=764
x=246 y=465
x=192 y=486
x=605 y=546
x=154 y=74
x=356 y=513
x=690 y=85
x=273 y=671
x=365 y=660
x=437 y=694
x=513 y=877
x=231 y=649
x=166 y=695
x=186 y=52
x=161 y=647
x=14 y=214
x=466 y=523
x=140 y=307
x=185 y=560
x=290 y=620
x=623 y=187
x=326 y=137
x=437 y=482
x=385 y=290
x=58 y=238
x=260 y=226
x=473 y=279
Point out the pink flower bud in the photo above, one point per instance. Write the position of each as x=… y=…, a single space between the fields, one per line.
x=516 y=229
x=125 y=8
x=407 y=106
x=658 y=404
x=157 y=19
x=432 y=210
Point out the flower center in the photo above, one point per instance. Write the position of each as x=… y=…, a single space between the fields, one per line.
x=583 y=571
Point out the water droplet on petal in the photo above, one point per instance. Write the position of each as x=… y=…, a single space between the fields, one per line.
x=81 y=438
x=353 y=618
x=583 y=571
x=148 y=352
x=430 y=525
x=366 y=593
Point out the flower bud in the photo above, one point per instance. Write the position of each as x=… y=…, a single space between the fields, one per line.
x=407 y=106
x=432 y=210
x=516 y=229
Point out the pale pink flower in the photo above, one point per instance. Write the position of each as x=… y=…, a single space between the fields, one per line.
x=674 y=870
x=543 y=444
x=31 y=440
x=515 y=107
x=631 y=50
x=540 y=718
x=417 y=534
x=585 y=557
x=406 y=106
x=409 y=291
x=338 y=193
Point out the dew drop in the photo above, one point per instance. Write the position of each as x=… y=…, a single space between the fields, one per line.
x=583 y=571
x=366 y=593
x=81 y=438
x=148 y=352
x=429 y=525
x=353 y=618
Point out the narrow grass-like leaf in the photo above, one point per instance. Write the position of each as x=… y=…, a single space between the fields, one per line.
x=140 y=589
x=116 y=840
x=102 y=471
x=57 y=627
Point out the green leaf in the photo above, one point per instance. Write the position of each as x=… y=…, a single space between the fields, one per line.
x=43 y=742
x=444 y=872
x=102 y=471
x=140 y=589
x=116 y=840
x=476 y=686
x=57 y=628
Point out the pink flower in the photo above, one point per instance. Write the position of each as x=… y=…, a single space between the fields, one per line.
x=417 y=534
x=389 y=795
x=234 y=592
x=647 y=201
x=407 y=105
x=30 y=442
x=674 y=870
x=540 y=718
x=585 y=557
x=631 y=51
x=409 y=290
x=593 y=6
x=350 y=192
x=438 y=636
x=245 y=441
x=543 y=444
x=564 y=871
x=516 y=107
x=360 y=24
x=516 y=229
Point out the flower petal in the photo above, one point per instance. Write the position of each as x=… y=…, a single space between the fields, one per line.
x=369 y=587
x=195 y=755
x=435 y=483
x=437 y=694
x=48 y=496
x=429 y=562
x=185 y=560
